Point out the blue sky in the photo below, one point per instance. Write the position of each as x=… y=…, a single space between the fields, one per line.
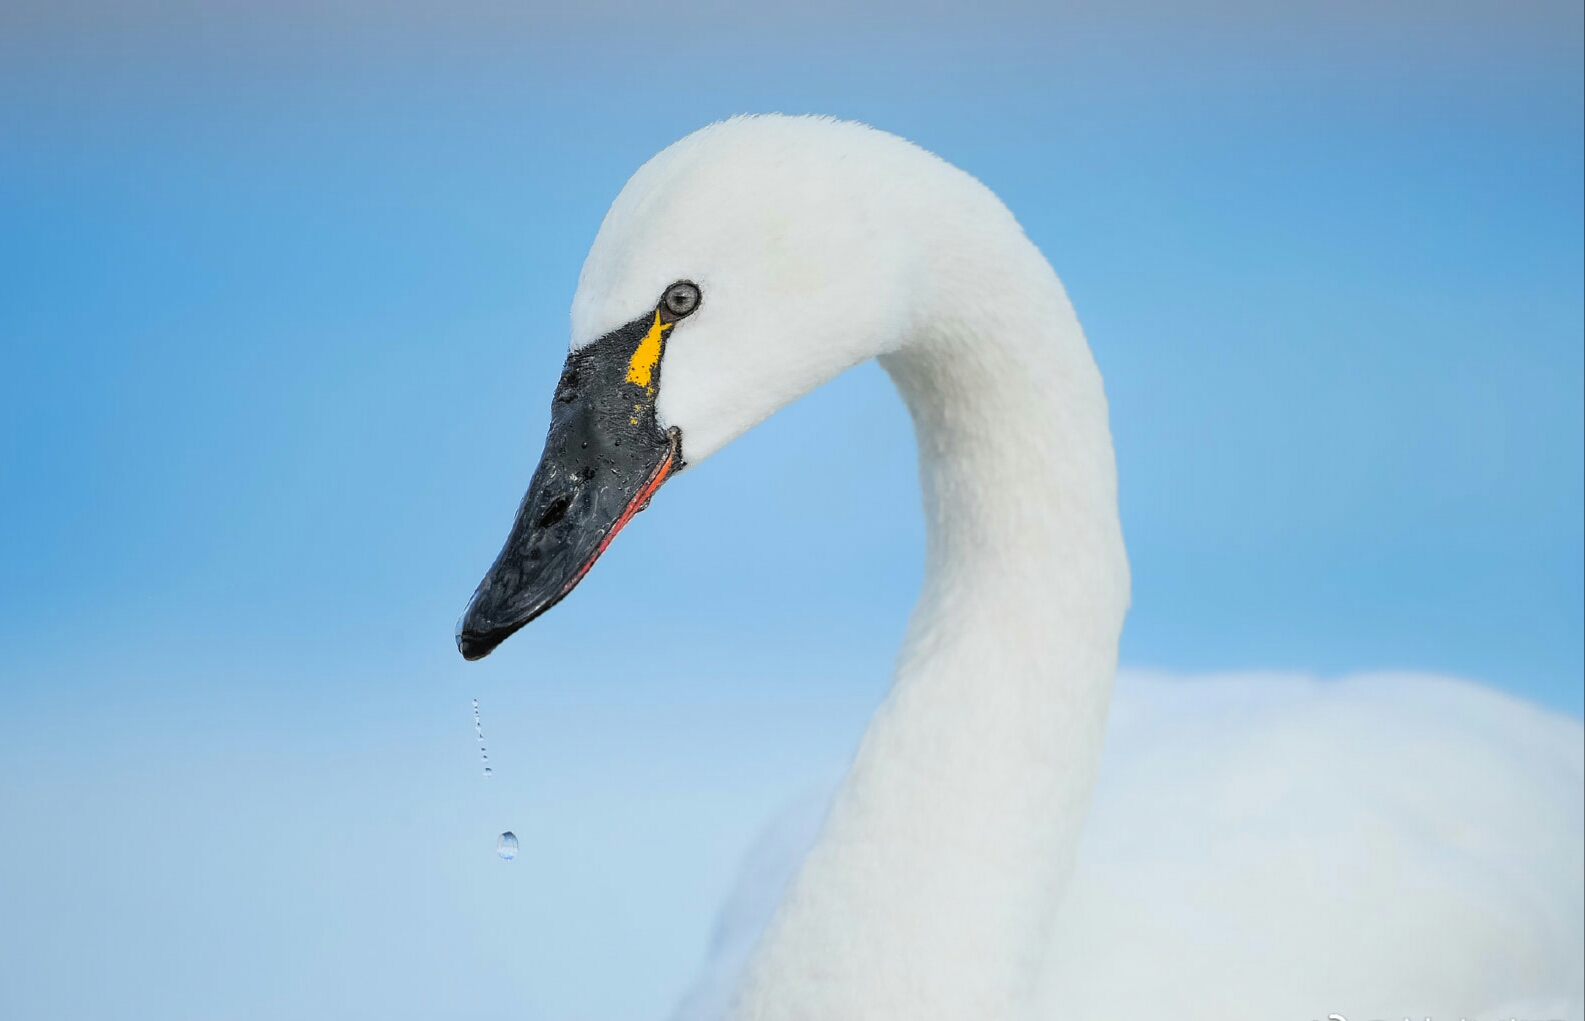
x=286 y=296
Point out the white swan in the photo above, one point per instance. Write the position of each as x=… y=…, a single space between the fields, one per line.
x=756 y=259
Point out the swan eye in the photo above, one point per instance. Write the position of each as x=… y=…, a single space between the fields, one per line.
x=681 y=299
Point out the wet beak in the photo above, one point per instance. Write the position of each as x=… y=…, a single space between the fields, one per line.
x=604 y=458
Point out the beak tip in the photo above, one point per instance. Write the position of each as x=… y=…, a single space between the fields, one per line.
x=475 y=646
x=480 y=632
x=474 y=642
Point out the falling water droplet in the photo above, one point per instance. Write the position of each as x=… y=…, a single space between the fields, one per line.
x=506 y=845
x=478 y=730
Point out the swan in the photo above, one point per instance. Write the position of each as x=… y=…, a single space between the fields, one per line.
x=952 y=874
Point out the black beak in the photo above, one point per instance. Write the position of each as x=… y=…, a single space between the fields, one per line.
x=604 y=458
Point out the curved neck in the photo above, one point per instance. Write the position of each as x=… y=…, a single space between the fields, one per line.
x=942 y=861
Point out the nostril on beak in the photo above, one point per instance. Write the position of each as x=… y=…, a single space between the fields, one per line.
x=556 y=511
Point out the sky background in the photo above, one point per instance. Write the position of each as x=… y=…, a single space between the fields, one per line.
x=285 y=296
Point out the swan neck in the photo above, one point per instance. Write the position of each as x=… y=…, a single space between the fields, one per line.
x=941 y=864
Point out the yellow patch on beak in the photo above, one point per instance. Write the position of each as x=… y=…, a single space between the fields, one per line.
x=641 y=369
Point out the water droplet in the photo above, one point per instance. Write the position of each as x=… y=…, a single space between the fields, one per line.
x=506 y=845
x=478 y=730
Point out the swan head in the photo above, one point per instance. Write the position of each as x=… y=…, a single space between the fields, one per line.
x=737 y=270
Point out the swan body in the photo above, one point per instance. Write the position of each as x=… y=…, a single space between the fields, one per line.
x=938 y=884
x=1266 y=846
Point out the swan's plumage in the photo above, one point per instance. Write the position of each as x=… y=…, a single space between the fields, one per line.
x=1260 y=846
x=1257 y=849
x=1381 y=846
